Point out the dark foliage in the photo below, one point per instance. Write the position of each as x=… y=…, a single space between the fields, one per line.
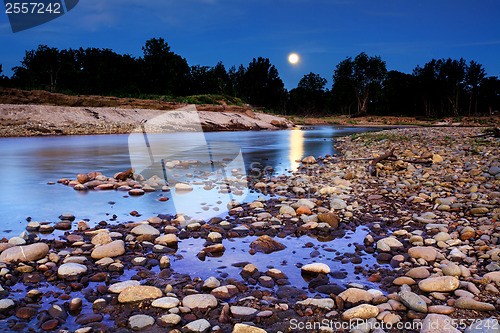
x=361 y=85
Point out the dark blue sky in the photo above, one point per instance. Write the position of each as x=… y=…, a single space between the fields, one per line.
x=405 y=33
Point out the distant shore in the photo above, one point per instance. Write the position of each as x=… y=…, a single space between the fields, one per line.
x=47 y=120
x=41 y=113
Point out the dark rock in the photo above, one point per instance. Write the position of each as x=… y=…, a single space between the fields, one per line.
x=69 y=217
x=26 y=312
x=330 y=289
x=331 y=218
x=88 y=318
x=49 y=325
x=338 y=275
x=266 y=244
x=288 y=292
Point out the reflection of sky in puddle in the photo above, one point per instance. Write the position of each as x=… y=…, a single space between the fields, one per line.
x=285 y=260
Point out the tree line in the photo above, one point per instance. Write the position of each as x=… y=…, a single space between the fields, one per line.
x=361 y=85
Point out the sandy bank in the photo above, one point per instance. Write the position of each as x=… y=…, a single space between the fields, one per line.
x=32 y=120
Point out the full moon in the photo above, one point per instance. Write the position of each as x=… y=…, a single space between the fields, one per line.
x=293 y=58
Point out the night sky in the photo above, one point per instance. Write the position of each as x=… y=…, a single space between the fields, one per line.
x=405 y=33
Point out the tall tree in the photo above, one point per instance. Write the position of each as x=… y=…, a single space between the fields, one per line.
x=362 y=74
x=451 y=74
x=39 y=68
x=398 y=94
x=309 y=97
x=261 y=85
x=165 y=71
x=473 y=79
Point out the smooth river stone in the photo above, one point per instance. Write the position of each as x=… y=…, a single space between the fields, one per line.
x=24 y=253
x=363 y=311
x=355 y=295
x=493 y=276
x=199 y=301
x=120 y=286
x=412 y=301
x=71 y=269
x=441 y=309
x=167 y=240
x=441 y=283
x=139 y=293
x=425 y=252
x=244 y=328
x=145 y=229
x=316 y=268
x=472 y=304
x=243 y=311
x=165 y=302
x=113 y=249
x=197 y=326
x=418 y=273
x=140 y=322
x=437 y=323
x=323 y=303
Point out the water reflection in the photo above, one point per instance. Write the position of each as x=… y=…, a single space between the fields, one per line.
x=296 y=148
x=29 y=163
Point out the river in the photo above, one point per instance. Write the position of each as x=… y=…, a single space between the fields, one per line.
x=29 y=164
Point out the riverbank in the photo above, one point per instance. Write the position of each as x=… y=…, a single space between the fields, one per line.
x=40 y=120
x=391 y=121
x=430 y=254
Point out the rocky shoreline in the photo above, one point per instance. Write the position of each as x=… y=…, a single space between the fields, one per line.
x=433 y=228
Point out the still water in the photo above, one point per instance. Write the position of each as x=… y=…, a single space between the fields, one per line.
x=28 y=164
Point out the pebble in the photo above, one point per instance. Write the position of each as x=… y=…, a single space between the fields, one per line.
x=120 y=286
x=412 y=301
x=316 y=268
x=71 y=270
x=355 y=295
x=165 y=302
x=197 y=326
x=244 y=328
x=24 y=253
x=145 y=229
x=472 y=304
x=243 y=312
x=140 y=322
x=363 y=311
x=114 y=249
x=199 y=301
x=139 y=293
x=442 y=284
x=436 y=323
x=169 y=320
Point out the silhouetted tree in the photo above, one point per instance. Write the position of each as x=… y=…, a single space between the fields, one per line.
x=309 y=97
x=260 y=84
x=398 y=94
x=362 y=74
x=39 y=68
x=164 y=71
x=474 y=78
x=489 y=95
